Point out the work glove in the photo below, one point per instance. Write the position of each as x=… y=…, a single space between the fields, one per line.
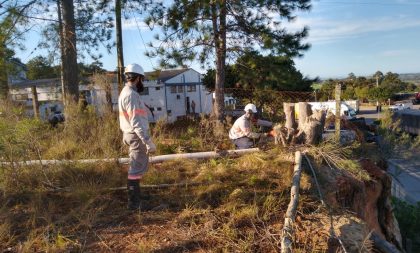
x=253 y=135
x=151 y=147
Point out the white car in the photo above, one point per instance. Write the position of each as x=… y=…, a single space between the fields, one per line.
x=398 y=107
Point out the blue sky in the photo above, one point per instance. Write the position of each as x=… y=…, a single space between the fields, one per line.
x=359 y=36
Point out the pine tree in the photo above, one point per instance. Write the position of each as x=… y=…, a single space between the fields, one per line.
x=12 y=18
x=218 y=29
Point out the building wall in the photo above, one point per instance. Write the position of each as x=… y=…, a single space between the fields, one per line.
x=189 y=76
x=154 y=98
x=182 y=90
x=168 y=100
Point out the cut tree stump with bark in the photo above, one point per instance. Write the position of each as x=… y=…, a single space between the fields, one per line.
x=309 y=130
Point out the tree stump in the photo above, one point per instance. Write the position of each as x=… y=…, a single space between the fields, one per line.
x=304 y=112
x=311 y=126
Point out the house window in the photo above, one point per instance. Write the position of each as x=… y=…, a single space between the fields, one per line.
x=159 y=109
x=21 y=97
x=180 y=89
x=191 y=88
x=157 y=88
x=178 y=97
x=173 y=89
x=152 y=109
x=145 y=91
x=169 y=112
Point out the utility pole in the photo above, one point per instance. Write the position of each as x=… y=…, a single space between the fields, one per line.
x=338 y=112
x=377 y=100
x=35 y=103
x=120 y=54
x=61 y=35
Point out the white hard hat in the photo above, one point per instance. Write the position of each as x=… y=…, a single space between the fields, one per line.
x=251 y=107
x=134 y=68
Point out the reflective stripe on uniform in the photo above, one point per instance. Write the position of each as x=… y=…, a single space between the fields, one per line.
x=134 y=177
x=128 y=115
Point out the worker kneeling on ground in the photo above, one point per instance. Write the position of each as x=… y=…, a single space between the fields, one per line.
x=135 y=127
x=241 y=133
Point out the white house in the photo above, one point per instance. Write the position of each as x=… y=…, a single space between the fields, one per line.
x=169 y=94
x=176 y=93
x=48 y=92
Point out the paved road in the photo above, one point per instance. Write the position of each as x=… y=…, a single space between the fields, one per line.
x=406 y=179
x=405 y=173
x=370 y=114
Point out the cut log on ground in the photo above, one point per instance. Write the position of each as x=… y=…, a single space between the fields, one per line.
x=289 y=219
x=142 y=186
x=152 y=159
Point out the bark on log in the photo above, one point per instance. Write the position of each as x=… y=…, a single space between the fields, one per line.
x=289 y=219
x=289 y=111
x=304 y=112
x=153 y=159
x=314 y=127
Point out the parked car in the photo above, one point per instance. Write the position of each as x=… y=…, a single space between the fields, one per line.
x=399 y=107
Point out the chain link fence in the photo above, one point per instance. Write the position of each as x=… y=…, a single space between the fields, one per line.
x=268 y=102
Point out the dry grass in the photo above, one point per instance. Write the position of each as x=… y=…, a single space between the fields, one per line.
x=339 y=157
x=238 y=207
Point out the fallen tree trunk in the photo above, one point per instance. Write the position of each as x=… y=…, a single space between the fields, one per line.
x=289 y=219
x=142 y=186
x=152 y=159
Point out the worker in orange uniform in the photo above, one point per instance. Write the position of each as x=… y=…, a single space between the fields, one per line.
x=134 y=124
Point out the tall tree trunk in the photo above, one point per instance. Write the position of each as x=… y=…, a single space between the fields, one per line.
x=70 y=82
x=61 y=36
x=4 y=84
x=220 y=43
x=120 y=53
x=35 y=103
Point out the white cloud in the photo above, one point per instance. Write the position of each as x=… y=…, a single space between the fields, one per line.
x=134 y=24
x=328 y=30
x=395 y=53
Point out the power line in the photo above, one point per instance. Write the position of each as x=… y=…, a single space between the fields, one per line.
x=141 y=36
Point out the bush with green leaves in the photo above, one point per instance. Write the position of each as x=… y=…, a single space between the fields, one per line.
x=408 y=217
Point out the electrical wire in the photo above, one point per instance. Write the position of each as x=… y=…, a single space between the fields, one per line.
x=141 y=36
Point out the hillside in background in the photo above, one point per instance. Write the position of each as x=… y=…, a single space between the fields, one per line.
x=411 y=77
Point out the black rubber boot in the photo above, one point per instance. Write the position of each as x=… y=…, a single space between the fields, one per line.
x=133 y=188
